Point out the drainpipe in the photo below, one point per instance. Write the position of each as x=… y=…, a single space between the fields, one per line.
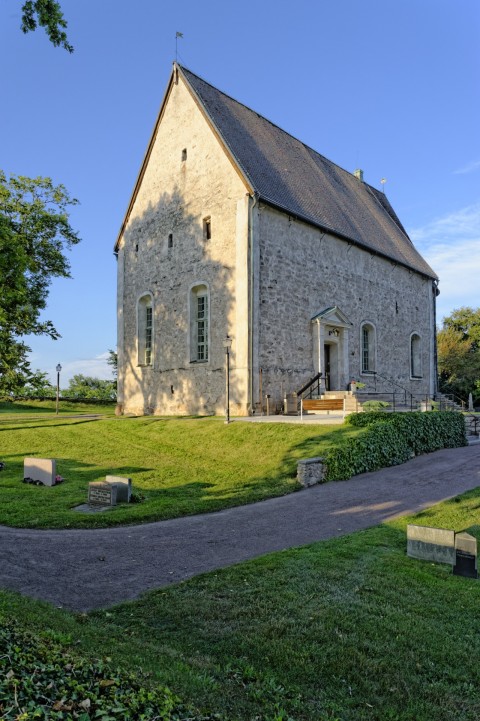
x=251 y=297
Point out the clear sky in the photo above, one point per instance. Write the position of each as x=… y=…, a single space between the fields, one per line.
x=390 y=86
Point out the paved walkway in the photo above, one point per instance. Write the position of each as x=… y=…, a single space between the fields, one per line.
x=86 y=569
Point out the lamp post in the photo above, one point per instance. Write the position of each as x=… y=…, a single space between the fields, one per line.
x=227 y=344
x=58 y=369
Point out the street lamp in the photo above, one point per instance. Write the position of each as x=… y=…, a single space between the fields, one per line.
x=227 y=344
x=58 y=369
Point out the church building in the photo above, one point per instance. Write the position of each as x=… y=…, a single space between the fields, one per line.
x=238 y=233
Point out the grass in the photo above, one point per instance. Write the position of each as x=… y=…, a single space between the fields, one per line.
x=350 y=629
x=178 y=466
x=37 y=407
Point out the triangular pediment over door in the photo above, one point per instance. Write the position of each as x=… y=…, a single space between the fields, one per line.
x=333 y=316
x=330 y=348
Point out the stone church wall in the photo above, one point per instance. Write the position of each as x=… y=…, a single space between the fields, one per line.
x=304 y=271
x=175 y=197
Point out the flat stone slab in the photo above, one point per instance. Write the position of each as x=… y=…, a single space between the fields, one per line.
x=87 y=508
x=431 y=544
x=40 y=469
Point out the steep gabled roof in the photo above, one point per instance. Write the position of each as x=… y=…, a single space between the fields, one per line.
x=289 y=175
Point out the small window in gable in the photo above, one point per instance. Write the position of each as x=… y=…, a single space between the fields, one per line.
x=368 y=348
x=145 y=330
x=184 y=155
x=170 y=240
x=199 y=324
x=415 y=356
x=207 y=228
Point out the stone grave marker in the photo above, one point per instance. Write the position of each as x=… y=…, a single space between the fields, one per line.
x=42 y=470
x=102 y=494
x=465 y=555
x=123 y=485
x=311 y=471
x=431 y=544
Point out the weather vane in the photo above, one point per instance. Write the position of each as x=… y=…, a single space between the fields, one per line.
x=383 y=181
x=177 y=35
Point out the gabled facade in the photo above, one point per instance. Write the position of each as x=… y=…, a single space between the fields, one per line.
x=236 y=228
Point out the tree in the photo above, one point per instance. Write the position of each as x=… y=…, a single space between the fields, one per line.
x=38 y=386
x=113 y=362
x=81 y=386
x=459 y=353
x=34 y=234
x=46 y=14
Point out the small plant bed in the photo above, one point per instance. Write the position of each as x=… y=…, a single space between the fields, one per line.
x=41 y=679
x=178 y=466
x=349 y=630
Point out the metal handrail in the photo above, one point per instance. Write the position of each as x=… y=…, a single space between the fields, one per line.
x=387 y=394
x=309 y=384
x=390 y=380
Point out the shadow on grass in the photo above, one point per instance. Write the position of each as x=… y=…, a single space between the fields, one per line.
x=30 y=426
x=314 y=446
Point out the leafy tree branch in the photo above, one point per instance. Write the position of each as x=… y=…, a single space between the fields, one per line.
x=47 y=14
x=35 y=232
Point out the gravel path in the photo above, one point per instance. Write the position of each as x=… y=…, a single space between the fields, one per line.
x=86 y=569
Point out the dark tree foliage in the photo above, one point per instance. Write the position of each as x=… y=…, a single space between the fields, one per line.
x=112 y=361
x=81 y=386
x=49 y=15
x=34 y=234
x=459 y=353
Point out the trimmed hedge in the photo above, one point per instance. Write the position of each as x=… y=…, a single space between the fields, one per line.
x=41 y=679
x=391 y=439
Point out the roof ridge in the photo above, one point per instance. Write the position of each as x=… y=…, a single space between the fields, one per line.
x=290 y=175
x=275 y=125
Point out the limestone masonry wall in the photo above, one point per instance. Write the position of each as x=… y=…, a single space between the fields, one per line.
x=304 y=271
x=261 y=265
x=175 y=196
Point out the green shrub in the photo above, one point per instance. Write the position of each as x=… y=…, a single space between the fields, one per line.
x=374 y=406
x=40 y=679
x=391 y=439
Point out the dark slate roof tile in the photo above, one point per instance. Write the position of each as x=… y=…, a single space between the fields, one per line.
x=290 y=175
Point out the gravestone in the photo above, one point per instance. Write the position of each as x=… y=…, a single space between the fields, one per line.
x=465 y=555
x=311 y=471
x=123 y=485
x=102 y=494
x=431 y=544
x=40 y=470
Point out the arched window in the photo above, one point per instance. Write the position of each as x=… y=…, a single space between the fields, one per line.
x=145 y=330
x=415 y=356
x=368 y=348
x=199 y=323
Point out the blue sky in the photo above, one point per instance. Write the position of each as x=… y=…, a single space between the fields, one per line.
x=391 y=87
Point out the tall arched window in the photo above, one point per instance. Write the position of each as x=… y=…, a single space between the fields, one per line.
x=199 y=323
x=368 y=348
x=145 y=330
x=415 y=356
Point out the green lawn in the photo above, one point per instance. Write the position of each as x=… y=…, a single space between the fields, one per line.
x=350 y=629
x=9 y=409
x=177 y=466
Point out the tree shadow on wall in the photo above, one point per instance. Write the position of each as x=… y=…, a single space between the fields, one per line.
x=166 y=255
